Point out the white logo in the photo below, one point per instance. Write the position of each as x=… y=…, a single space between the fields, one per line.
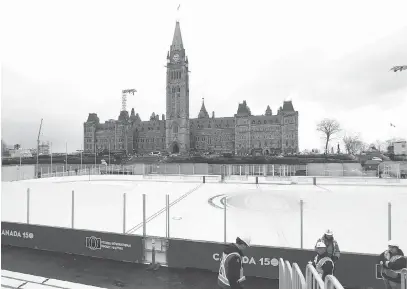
x=93 y=243
x=17 y=234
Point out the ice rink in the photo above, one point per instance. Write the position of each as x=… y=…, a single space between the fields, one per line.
x=269 y=213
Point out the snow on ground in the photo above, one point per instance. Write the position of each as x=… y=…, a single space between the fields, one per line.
x=98 y=203
x=269 y=213
x=10 y=279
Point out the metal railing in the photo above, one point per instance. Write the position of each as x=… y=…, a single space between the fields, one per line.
x=292 y=278
x=282 y=274
x=298 y=280
x=314 y=281
x=288 y=276
x=403 y=279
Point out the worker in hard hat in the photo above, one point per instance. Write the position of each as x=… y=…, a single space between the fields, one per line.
x=231 y=264
x=331 y=244
x=392 y=261
x=322 y=262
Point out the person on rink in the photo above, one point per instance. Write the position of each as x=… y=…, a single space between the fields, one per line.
x=331 y=244
x=392 y=261
x=231 y=265
x=322 y=262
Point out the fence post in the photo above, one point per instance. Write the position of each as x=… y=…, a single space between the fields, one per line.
x=144 y=215
x=302 y=222
x=28 y=206
x=389 y=220
x=224 y=220
x=203 y=179
x=124 y=213
x=73 y=210
x=179 y=169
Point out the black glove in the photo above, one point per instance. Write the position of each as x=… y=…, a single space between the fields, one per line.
x=335 y=258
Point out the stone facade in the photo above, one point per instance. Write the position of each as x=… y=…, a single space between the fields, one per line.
x=242 y=133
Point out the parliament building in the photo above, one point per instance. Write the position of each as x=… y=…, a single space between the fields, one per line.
x=176 y=132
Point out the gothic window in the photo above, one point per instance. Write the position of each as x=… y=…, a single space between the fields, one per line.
x=175 y=129
x=259 y=122
x=253 y=122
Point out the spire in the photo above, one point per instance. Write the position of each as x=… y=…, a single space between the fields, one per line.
x=177 y=40
x=203 y=113
x=268 y=110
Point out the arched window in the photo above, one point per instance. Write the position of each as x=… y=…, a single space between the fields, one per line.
x=175 y=129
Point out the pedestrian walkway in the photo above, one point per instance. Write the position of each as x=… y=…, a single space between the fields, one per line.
x=15 y=280
x=64 y=271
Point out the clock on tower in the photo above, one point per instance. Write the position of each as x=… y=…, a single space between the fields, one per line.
x=176 y=57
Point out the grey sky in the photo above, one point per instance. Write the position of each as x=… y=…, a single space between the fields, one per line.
x=62 y=60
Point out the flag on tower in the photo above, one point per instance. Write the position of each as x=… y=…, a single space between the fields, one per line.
x=178 y=7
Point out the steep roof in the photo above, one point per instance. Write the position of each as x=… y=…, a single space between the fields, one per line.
x=203 y=113
x=177 y=39
x=288 y=106
x=243 y=109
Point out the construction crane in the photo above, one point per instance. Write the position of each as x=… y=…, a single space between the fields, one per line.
x=124 y=97
x=38 y=146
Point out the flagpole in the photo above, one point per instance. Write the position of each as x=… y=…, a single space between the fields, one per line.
x=66 y=155
x=81 y=155
x=51 y=158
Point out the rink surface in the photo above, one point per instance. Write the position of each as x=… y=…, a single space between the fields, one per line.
x=268 y=213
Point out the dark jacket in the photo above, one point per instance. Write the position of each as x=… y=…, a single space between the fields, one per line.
x=233 y=266
x=398 y=264
x=327 y=267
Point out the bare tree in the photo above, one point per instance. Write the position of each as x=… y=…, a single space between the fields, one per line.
x=328 y=127
x=353 y=144
x=380 y=145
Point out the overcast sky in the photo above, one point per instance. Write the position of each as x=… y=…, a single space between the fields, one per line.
x=64 y=59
